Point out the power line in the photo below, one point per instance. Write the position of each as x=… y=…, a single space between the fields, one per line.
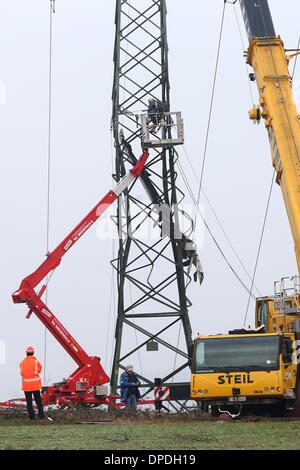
x=211 y=108
x=220 y=224
x=186 y=182
x=260 y=244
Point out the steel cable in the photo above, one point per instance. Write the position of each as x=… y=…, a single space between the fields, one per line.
x=260 y=244
x=211 y=108
x=219 y=222
x=211 y=234
x=52 y=10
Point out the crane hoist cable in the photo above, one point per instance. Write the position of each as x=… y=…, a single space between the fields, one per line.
x=211 y=108
x=260 y=244
x=52 y=11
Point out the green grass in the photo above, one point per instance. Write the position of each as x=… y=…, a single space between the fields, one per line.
x=152 y=436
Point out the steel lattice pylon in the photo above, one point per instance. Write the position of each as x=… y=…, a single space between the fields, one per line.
x=151 y=270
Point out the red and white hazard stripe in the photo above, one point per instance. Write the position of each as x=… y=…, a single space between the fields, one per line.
x=161 y=393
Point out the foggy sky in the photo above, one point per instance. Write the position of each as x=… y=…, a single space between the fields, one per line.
x=237 y=175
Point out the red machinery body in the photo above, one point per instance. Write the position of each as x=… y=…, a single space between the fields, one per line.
x=85 y=384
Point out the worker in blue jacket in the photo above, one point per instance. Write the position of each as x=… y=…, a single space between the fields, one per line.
x=129 y=388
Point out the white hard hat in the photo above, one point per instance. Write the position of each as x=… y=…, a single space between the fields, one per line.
x=150 y=98
x=130 y=368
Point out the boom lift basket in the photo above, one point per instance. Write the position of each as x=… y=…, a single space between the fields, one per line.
x=169 y=122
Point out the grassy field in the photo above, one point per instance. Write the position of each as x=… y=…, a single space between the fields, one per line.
x=164 y=435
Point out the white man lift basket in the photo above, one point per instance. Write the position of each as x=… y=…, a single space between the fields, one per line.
x=169 y=123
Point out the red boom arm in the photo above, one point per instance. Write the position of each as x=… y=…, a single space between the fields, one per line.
x=54 y=258
x=26 y=293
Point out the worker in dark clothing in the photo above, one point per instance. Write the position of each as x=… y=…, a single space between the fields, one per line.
x=129 y=388
x=155 y=114
x=30 y=369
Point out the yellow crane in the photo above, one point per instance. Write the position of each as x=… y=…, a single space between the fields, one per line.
x=259 y=368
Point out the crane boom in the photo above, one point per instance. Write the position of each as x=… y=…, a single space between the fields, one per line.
x=230 y=386
x=269 y=60
x=257 y=18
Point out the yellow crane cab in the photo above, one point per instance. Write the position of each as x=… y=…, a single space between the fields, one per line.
x=243 y=369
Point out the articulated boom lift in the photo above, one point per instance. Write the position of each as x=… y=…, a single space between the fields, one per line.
x=152 y=272
x=85 y=384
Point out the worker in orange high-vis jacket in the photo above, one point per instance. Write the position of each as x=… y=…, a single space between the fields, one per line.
x=30 y=369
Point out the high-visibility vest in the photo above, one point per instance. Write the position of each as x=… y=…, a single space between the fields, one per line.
x=30 y=369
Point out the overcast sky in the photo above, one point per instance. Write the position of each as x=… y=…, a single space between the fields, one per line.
x=237 y=175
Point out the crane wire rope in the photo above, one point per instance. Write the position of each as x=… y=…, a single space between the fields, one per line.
x=51 y=12
x=210 y=111
x=260 y=244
